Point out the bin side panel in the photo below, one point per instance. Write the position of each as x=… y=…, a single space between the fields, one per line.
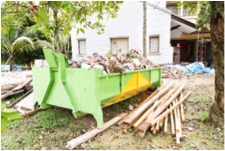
x=156 y=76
x=108 y=87
x=135 y=82
x=41 y=80
x=129 y=83
x=58 y=95
x=81 y=84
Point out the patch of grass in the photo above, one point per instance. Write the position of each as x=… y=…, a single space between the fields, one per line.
x=204 y=116
x=21 y=134
x=52 y=128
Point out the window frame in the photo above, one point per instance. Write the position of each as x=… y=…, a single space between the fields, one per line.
x=154 y=36
x=78 y=42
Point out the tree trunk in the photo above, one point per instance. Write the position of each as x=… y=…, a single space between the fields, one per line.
x=56 y=32
x=216 y=115
x=11 y=64
x=144 y=28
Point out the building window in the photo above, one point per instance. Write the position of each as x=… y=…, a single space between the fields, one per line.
x=82 y=46
x=119 y=45
x=154 y=44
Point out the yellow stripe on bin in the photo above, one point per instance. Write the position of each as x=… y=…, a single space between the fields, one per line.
x=136 y=84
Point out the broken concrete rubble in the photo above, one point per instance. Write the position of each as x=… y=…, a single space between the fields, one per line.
x=114 y=63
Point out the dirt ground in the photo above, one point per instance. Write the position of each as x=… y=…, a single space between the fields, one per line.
x=52 y=128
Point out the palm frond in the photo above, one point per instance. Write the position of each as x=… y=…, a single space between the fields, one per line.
x=29 y=32
x=23 y=44
x=42 y=44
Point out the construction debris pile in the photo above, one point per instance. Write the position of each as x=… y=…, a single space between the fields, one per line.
x=154 y=114
x=18 y=83
x=133 y=60
x=11 y=89
x=174 y=73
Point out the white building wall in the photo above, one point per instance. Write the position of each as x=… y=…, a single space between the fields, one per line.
x=159 y=24
x=129 y=23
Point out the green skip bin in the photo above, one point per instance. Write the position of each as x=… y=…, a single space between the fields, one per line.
x=86 y=90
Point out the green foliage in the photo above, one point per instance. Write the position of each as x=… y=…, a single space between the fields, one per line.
x=203 y=15
x=56 y=18
x=78 y=14
x=7 y=115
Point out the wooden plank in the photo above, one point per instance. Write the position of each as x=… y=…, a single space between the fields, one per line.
x=152 y=127
x=142 y=118
x=182 y=109
x=166 y=124
x=31 y=112
x=179 y=120
x=176 y=124
x=83 y=138
x=160 y=117
x=8 y=87
x=140 y=110
x=158 y=111
x=172 y=122
x=157 y=126
x=163 y=99
x=15 y=89
x=151 y=109
x=132 y=112
x=161 y=123
x=20 y=98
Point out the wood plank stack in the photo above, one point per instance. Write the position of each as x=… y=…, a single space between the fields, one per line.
x=154 y=114
x=12 y=89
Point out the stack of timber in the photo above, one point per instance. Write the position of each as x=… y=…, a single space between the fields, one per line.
x=11 y=89
x=154 y=113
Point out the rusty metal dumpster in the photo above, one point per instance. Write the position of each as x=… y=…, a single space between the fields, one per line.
x=84 y=90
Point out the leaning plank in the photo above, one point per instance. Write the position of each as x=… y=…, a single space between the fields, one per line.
x=83 y=138
x=172 y=122
x=176 y=124
x=166 y=104
x=161 y=123
x=152 y=108
x=132 y=112
x=23 y=96
x=182 y=109
x=8 y=87
x=142 y=118
x=165 y=124
x=156 y=104
x=157 y=126
x=140 y=110
x=179 y=120
x=15 y=89
x=160 y=117
x=31 y=112
x=158 y=111
x=23 y=84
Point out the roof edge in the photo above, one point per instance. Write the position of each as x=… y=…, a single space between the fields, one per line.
x=158 y=7
x=183 y=21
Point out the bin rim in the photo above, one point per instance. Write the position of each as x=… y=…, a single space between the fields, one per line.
x=129 y=72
